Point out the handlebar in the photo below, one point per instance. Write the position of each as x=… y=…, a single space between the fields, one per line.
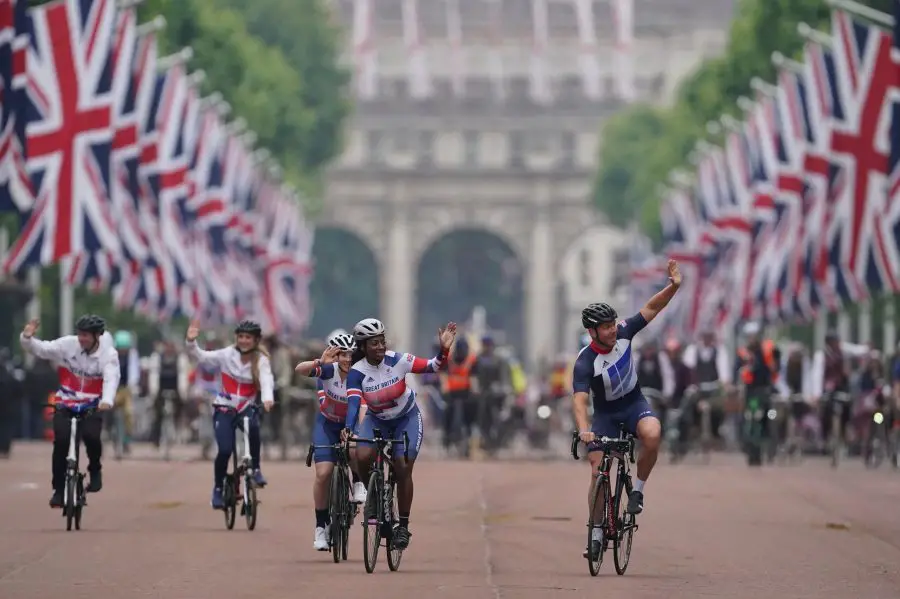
x=381 y=442
x=79 y=414
x=343 y=446
x=253 y=407
x=622 y=444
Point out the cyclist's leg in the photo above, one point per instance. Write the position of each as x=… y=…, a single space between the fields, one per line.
x=60 y=451
x=91 y=431
x=324 y=432
x=365 y=452
x=127 y=407
x=640 y=420
x=412 y=425
x=223 y=425
x=156 y=429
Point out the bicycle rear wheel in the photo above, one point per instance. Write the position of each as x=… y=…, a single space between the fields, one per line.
x=250 y=503
x=372 y=516
x=624 y=528
x=600 y=493
x=393 y=555
x=230 y=501
x=339 y=494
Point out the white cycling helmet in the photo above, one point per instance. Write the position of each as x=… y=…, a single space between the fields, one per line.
x=367 y=328
x=342 y=341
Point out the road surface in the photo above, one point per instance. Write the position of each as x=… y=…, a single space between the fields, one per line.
x=480 y=531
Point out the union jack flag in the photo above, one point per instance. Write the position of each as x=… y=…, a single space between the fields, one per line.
x=69 y=132
x=890 y=226
x=866 y=77
x=15 y=184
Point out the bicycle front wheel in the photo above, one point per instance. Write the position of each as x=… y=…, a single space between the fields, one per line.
x=339 y=499
x=595 y=550
x=393 y=555
x=71 y=501
x=250 y=503
x=624 y=528
x=230 y=501
x=372 y=516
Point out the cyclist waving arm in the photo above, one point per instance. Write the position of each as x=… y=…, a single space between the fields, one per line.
x=659 y=301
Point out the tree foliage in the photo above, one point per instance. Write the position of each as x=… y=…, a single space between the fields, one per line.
x=643 y=144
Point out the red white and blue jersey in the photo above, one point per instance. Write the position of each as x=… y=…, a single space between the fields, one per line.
x=610 y=376
x=383 y=387
x=332 y=392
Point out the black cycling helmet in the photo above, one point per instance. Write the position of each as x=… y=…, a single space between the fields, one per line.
x=91 y=323
x=596 y=314
x=248 y=326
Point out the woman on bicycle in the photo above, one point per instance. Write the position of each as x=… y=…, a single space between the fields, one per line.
x=378 y=378
x=244 y=371
x=332 y=392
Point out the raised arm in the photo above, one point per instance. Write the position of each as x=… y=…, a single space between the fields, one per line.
x=662 y=299
x=419 y=365
x=213 y=357
x=322 y=368
x=45 y=350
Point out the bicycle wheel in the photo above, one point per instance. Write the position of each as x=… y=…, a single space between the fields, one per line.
x=79 y=500
x=71 y=501
x=393 y=555
x=624 y=528
x=600 y=493
x=372 y=525
x=336 y=507
x=250 y=503
x=230 y=501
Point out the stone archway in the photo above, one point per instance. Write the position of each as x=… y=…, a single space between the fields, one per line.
x=345 y=284
x=464 y=268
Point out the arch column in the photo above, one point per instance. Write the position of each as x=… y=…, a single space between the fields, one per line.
x=541 y=310
x=397 y=280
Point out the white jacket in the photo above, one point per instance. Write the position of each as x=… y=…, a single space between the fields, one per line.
x=236 y=389
x=83 y=378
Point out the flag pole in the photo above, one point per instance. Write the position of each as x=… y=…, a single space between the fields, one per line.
x=66 y=298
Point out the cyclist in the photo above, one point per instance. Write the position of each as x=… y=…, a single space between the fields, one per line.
x=129 y=382
x=332 y=392
x=606 y=370
x=88 y=367
x=168 y=373
x=244 y=372
x=378 y=378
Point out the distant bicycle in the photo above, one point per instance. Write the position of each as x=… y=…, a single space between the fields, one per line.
x=74 y=496
x=243 y=469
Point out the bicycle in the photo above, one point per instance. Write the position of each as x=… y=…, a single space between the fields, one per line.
x=74 y=496
x=341 y=509
x=243 y=469
x=380 y=512
x=616 y=523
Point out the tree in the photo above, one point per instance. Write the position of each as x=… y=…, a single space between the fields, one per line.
x=641 y=145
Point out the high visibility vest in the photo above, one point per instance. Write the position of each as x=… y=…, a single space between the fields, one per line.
x=459 y=375
x=768 y=352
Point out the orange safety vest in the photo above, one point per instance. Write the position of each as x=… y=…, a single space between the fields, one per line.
x=768 y=352
x=459 y=375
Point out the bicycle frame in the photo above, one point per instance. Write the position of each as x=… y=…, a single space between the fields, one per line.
x=72 y=457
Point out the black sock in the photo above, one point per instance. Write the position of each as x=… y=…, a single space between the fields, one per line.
x=323 y=518
x=404 y=520
x=355 y=477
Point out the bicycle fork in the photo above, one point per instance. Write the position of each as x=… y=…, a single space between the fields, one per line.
x=71 y=459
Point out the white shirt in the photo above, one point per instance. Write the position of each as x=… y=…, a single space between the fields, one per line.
x=83 y=378
x=694 y=353
x=236 y=387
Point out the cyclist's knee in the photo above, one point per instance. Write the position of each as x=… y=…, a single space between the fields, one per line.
x=649 y=432
x=365 y=453
x=324 y=471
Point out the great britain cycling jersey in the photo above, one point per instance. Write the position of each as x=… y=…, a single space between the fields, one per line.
x=332 y=392
x=610 y=376
x=383 y=387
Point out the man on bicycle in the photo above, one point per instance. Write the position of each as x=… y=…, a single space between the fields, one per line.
x=88 y=367
x=606 y=370
x=830 y=380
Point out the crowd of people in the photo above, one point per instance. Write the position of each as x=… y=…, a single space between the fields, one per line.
x=477 y=397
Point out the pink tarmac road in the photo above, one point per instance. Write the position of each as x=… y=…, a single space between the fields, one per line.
x=480 y=531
